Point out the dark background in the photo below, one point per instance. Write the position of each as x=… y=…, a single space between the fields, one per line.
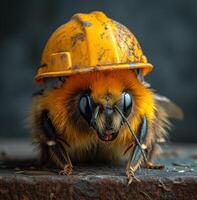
x=166 y=30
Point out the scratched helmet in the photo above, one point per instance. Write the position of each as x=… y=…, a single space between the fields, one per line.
x=91 y=42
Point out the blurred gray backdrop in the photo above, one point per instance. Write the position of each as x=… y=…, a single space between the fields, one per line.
x=166 y=30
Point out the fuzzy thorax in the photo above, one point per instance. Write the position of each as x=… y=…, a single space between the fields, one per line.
x=63 y=106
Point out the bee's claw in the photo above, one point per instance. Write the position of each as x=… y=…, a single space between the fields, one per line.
x=150 y=165
x=67 y=170
x=131 y=176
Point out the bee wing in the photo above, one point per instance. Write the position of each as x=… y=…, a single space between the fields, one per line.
x=172 y=109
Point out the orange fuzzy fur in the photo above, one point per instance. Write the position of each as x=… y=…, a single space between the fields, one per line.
x=100 y=83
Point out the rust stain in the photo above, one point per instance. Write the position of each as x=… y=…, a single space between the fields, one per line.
x=130 y=44
x=102 y=35
x=101 y=54
x=105 y=26
x=77 y=37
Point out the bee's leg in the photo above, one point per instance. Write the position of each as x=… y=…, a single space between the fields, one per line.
x=138 y=152
x=151 y=165
x=55 y=145
x=137 y=156
x=130 y=172
x=60 y=156
x=44 y=154
x=151 y=155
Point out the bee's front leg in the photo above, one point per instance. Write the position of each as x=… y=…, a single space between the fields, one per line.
x=154 y=152
x=151 y=165
x=138 y=154
x=60 y=156
x=56 y=146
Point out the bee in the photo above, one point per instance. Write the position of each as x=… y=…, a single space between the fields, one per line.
x=95 y=105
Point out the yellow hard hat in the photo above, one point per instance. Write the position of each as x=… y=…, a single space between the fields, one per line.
x=91 y=42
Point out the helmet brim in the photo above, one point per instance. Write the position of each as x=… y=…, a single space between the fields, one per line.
x=146 y=68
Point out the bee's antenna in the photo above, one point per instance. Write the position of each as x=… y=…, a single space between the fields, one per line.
x=95 y=115
x=132 y=131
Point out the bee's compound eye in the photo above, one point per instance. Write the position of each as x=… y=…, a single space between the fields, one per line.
x=126 y=103
x=85 y=107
